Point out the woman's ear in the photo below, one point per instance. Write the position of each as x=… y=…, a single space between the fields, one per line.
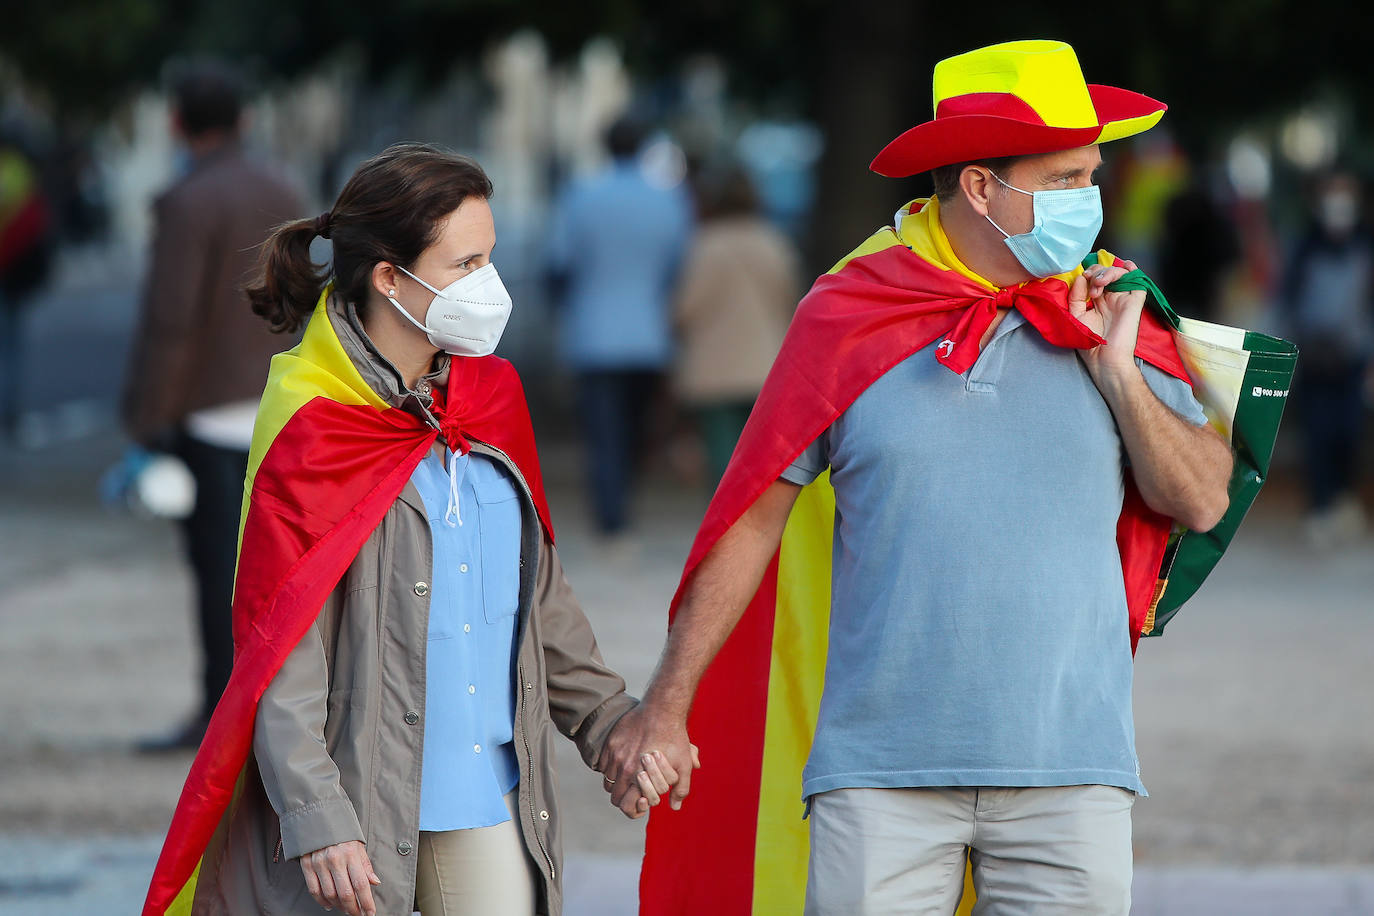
x=384 y=279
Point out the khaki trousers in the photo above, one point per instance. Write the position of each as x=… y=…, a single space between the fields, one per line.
x=484 y=871
x=1056 y=850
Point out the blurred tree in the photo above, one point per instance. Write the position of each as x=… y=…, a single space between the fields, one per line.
x=1228 y=58
x=860 y=69
x=86 y=55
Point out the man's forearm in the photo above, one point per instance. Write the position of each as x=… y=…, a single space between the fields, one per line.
x=1182 y=470
x=716 y=598
x=717 y=595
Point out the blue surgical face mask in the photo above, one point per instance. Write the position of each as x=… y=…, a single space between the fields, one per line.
x=1066 y=225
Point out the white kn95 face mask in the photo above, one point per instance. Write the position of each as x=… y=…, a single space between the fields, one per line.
x=467 y=317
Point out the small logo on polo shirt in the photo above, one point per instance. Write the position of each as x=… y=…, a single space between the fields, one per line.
x=945 y=348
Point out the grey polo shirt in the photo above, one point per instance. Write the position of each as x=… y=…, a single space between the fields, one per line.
x=978 y=616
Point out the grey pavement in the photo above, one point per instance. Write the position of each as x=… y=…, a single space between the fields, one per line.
x=108 y=875
x=1252 y=710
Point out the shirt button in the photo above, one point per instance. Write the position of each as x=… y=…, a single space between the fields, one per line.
x=477 y=748
x=543 y=815
x=412 y=717
x=404 y=848
x=467 y=628
x=421 y=589
x=462 y=567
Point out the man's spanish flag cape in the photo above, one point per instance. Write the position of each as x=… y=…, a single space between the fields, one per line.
x=739 y=845
x=329 y=457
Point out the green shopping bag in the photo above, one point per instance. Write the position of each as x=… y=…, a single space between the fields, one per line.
x=1242 y=379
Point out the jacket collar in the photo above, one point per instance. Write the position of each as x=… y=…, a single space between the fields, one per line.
x=230 y=148
x=378 y=371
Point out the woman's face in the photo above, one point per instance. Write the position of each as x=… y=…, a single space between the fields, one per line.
x=465 y=243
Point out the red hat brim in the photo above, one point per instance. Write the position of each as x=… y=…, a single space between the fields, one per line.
x=965 y=138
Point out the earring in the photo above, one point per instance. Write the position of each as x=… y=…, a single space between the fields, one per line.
x=391 y=292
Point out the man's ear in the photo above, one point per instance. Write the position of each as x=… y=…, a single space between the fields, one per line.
x=976 y=184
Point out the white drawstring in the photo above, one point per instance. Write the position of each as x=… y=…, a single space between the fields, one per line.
x=454 y=479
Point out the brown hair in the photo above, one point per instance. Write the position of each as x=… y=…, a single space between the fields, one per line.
x=946 y=177
x=392 y=209
x=208 y=95
x=726 y=191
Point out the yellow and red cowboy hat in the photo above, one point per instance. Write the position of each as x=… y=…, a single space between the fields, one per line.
x=1015 y=99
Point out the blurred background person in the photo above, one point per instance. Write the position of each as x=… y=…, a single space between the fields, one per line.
x=1328 y=305
x=199 y=356
x=26 y=248
x=1198 y=247
x=617 y=244
x=738 y=290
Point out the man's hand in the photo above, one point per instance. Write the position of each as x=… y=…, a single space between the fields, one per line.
x=1181 y=470
x=1115 y=316
x=341 y=876
x=646 y=756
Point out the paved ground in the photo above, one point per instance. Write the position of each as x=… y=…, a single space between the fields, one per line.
x=1253 y=712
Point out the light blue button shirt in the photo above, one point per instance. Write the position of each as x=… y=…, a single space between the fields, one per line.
x=469 y=758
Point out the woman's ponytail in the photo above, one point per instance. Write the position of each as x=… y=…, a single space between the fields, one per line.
x=288 y=283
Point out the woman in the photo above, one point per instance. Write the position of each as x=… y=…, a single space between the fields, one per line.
x=737 y=295
x=399 y=606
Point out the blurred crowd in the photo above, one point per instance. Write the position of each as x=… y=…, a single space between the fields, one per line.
x=666 y=269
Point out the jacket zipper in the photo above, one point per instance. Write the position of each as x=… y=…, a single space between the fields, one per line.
x=276 y=853
x=529 y=764
x=519 y=475
x=520 y=672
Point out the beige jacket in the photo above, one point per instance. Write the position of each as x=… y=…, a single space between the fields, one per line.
x=340 y=731
x=736 y=297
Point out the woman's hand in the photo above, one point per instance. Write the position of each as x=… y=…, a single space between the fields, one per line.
x=341 y=876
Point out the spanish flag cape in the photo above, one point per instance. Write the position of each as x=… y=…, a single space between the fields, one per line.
x=328 y=459
x=739 y=845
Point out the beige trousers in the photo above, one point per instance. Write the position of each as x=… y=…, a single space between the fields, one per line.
x=484 y=871
x=1057 y=850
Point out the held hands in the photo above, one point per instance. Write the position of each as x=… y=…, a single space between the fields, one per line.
x=646 y=757
x=341 y=876
x=1115 y=316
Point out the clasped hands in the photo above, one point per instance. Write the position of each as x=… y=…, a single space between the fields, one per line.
x=647 y=758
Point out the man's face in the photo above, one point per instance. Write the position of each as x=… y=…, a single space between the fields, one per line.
x=1045 y=172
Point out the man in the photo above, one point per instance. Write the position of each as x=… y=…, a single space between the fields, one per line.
x=200 y=355
x=27 y=241
x=617 y=243
x=996 y=422
x=1328 y=303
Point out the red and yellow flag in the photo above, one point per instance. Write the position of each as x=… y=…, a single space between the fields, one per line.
x=329 y=457
x=739 y=844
